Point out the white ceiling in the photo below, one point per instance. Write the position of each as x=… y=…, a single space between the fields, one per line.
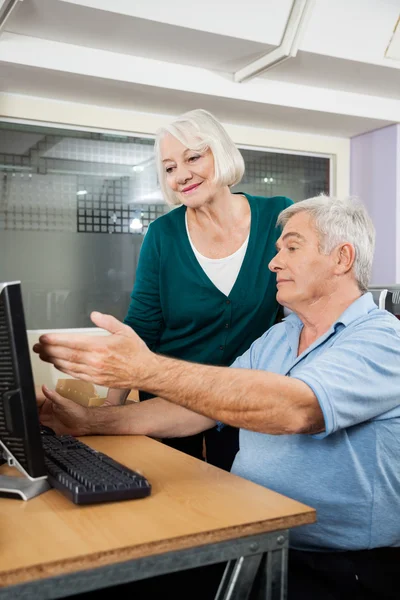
x=82 y=26
x=337 y=73
x=168 y=57
x=130 y=96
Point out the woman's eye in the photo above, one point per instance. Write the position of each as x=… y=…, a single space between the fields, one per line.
x=169 y=169
x=194 y=158
x=292 y=248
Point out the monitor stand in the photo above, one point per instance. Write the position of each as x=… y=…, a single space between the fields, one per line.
x=20 y=487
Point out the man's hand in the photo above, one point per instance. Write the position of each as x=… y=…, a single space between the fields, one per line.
x=120 y=360
x=64 y=416
x=40 y=397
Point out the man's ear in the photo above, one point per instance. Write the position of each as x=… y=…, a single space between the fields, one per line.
x=345 y=256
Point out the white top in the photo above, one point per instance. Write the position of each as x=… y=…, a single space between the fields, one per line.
x=223 y=272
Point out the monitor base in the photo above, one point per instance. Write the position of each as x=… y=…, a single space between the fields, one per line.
x=22 y=488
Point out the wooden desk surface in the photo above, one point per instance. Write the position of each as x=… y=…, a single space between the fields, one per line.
x=192 y=504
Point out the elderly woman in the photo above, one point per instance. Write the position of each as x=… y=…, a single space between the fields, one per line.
x=203 y=291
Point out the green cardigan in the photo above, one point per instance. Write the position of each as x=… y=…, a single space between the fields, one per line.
x=178 y=311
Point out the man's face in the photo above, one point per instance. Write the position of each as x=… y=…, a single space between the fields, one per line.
x=303 y=274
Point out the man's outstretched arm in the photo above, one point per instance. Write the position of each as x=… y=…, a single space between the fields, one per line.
x=156 y=418
x=250 y=399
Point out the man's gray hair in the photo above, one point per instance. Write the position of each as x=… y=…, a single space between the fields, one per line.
x=340 y=220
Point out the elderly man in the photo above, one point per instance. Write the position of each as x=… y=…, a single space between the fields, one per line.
x=317 y=399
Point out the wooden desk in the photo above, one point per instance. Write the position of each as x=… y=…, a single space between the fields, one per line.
x=196 y=515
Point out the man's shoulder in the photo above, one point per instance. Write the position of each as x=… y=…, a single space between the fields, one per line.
x=379 y=320
x=372 y=332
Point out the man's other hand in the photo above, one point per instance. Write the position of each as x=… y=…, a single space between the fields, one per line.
x=64 y=416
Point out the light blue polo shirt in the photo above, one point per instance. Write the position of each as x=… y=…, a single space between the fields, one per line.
x=350 y=473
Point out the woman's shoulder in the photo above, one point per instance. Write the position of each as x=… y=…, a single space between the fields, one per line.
x=281 y=201
x=169 y=221
x=274 y=204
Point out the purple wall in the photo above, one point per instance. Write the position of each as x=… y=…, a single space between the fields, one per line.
x=398 y=208
x=374 y=179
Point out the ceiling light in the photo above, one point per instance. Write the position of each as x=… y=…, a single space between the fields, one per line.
x=393 y=49
x=296 y=23
x=136 y=225
x=6 y=8
x=81 y=192
x=138 y=168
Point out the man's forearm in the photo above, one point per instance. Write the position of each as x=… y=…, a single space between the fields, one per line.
x=255 y=400
x=250 y=399
x=155 y=417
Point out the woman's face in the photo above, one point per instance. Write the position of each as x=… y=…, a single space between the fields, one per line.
x=188 y=173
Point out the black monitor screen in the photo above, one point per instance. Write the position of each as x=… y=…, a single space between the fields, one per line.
x=20 y=438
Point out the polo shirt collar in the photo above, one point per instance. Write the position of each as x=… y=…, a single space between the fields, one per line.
x=360 y=307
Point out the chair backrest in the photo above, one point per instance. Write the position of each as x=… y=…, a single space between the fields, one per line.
x=396 y=302
x=384 y=299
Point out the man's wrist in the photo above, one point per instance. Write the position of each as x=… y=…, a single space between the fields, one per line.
x=96 y=420
x=111 y=420
x=148 y=375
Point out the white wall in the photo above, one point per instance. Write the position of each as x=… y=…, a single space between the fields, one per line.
x=398 y=207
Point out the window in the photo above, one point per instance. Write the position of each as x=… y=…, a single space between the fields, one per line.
x=297 y=176
x=74 y=206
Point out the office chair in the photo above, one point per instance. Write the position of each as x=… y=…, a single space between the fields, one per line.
x=384 y=299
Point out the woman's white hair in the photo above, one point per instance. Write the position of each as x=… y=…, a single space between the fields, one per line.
x=200 y=131
x=338 y=221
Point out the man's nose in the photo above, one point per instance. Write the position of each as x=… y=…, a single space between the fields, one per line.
x=274 y=264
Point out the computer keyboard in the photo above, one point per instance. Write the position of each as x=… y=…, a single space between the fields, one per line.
x=86 y=476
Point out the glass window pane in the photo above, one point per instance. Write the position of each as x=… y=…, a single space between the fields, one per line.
x=74 y=207
x=277 y=174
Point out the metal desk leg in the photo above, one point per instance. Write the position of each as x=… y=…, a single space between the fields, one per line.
x=271 y=581
x=259 y=577
x=238 y=578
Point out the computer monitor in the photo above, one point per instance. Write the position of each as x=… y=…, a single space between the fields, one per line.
x=20 y=437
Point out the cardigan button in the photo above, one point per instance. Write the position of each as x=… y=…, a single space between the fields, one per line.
x=222 y=347
x=228 y=301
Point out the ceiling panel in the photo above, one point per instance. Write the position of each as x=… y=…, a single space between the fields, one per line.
x=337 y=73
x=148 y=99
x=257 y=20
x=82 y=26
